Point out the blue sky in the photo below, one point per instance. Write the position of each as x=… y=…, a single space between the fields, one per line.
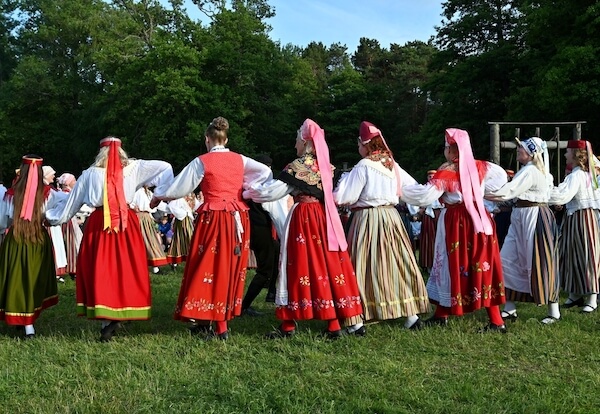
x=345 y=21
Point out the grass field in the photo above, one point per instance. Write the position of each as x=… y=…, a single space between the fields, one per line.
x=157 y=367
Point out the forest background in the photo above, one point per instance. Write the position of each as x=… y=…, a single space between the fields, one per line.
x=74 y=71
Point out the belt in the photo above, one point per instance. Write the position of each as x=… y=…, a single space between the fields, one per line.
x=527 y=203
x=366 y=207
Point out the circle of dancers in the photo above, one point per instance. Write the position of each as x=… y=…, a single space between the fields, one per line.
x=339 y=248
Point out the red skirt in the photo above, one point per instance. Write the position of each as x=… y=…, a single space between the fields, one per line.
x=112 y=274
x=474 y=262
x=215 y=271
x=321 y=284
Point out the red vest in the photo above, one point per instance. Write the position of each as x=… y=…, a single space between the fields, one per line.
x=223 y=181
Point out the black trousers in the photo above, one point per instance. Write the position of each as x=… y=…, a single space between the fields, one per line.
x=266 y=251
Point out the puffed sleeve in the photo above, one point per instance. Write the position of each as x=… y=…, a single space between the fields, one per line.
x=521 y=182
x=255 y=172
x=62 y=212
x=186 y=182
x=154 y=173
x=421 y=195
x=495 y=177
x=350 y=186
x=565 y=190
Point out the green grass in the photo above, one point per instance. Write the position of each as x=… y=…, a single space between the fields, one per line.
x=157 y=367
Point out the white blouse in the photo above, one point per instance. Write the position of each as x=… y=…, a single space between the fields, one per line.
x=370 y=184
x=576 y=191
x=529 y=183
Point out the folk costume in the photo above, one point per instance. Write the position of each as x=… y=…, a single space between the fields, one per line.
x=389 y=278
x=530 y=251
x=112 y=281
x=156 y=255
x=56 y=234
x=182 y=210
x=72 y=233
x=316 y=278
x=467 y=271
x=27 y=273
x=215 y=271
x=579 y=245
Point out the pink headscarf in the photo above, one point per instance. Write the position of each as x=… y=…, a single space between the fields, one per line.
x=336 y=238
x=30 y=187
x=67 y=179
x=367 y=132
x=469 y=180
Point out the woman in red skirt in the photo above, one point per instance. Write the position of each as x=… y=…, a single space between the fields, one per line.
x=112 y=282
x=316 y=279
x=467 y=272
x=215 y=271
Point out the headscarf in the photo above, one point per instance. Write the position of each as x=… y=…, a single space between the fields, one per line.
x=336 y=239
x=538 y=149
x=67 y=179
x=367 y=132
x=30 y=187
x=113 y=194
x=47 y=171
x=469 y=180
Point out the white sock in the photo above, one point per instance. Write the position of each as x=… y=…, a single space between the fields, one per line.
x=592 y=300
x=510 y=307
x=155 y=270
x=410 y=321
x=355 y=327
x=554 y=310
x=29 y=330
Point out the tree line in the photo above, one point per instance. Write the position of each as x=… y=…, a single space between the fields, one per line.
x=74 y=71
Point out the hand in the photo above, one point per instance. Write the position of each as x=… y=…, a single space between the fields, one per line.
x=154 y=202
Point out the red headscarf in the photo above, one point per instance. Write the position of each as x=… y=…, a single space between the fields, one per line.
x=113 y=195
x=367 y=132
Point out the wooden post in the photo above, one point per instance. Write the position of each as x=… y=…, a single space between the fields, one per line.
x=558 y=157
x=495 y=143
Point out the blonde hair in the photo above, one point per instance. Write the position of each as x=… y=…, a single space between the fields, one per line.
x=102 y=157
x=580 y=155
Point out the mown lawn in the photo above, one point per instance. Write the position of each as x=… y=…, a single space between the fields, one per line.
x=157 y=367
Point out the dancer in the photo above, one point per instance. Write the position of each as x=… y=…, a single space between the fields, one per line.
x=214 y=275
x=27 y=273
x=113 y=283
x=72 y=233
x=141 y=205
x=389 y=278
x=428 y=228
x=316 y=277
x=467 y=272
x=530 y=250
x=183 y=228
x=579 y=245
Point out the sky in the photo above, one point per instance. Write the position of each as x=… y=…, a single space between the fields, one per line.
x=345 y=21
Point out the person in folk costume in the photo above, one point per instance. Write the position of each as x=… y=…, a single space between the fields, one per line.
x=27 y=277
x=112 y=282
x=141 y=205
x=72 y=233
x=579 y=245
x=215 y=271
x=467 y=272
x=389 y=278
x=428 y=229
x=3 y=190
x=182 y=210
x=58 y=242
x=530 y=250
x=316 y=278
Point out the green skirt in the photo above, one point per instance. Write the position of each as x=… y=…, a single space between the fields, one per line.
x=27 y=280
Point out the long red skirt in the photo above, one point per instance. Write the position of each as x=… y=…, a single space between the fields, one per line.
x=474 y=263
x=321 y=284
x=112 y=274
x=215 y=271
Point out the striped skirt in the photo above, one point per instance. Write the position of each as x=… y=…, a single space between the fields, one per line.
x=72 y=234
x=154 y=250
x=580 y=252
x=389 y=279
x=180 y=244
x=427 y=239
x=530 y=255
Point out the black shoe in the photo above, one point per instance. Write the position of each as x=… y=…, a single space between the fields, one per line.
x=29 y=337
x=108 y=331
x=279 y=333
x=434 y=321
x=507 y=316
x=252 y=312
x=197 y=329
x=493 y=328
x=270 y=297
x=572 y=303
x=362 y=331
x=332 y=335
x=588 y=309
x=223 y=336
x=418 y=325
